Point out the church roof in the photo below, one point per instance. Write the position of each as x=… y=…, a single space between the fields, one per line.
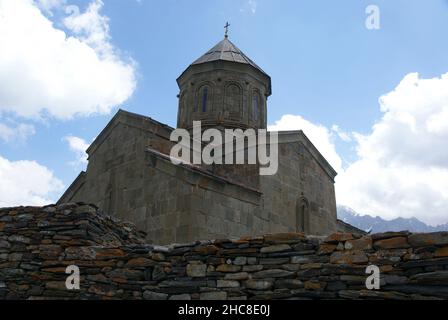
x=227 y=51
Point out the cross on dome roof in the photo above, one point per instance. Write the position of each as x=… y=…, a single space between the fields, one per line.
x=227 y=29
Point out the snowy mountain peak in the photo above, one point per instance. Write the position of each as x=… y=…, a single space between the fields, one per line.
x=378 y=224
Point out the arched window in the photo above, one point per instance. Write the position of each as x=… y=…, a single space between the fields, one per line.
x=255 y=106
x=302 y=215
x=233 y=99
x=203 y=99
x=183 y=109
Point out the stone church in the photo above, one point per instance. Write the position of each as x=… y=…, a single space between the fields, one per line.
x=130 y=174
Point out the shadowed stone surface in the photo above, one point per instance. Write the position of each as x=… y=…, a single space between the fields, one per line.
x=130 y=174
x=115 y=262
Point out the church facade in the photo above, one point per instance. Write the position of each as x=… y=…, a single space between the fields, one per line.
x=130 y=174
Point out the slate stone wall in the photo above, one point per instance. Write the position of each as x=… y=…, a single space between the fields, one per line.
x=131 y=177
x=230 y=90
x=37 y=244
x=299 y=177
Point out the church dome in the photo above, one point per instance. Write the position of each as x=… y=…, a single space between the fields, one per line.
x=224 y=88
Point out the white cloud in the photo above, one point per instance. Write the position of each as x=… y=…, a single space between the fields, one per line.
x=344 y=136
x=319 y=135
x=46 y=71
x=90 y=27
x=19 y=133
x=251 y=6
x=26 y=183
x=402 y=166
x=79 y=147
x=48 y=5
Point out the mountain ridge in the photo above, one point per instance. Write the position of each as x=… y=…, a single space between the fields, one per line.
x=377 y=224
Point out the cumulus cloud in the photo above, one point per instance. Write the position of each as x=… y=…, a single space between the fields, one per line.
x=320 y=136
x=17 y=133
x=59 y=72
x=26 y=183
x=90 y=27
x=402 y=166
x=344 y=136
x=48 y=5
x=79 y=147
x=251 y=6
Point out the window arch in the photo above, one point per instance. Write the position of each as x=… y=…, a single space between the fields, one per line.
x=302 y=215
x=183 y=115
x=256 y=106
x=233 y=100
x=203 y=99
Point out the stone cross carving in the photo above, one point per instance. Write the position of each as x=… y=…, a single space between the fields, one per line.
x=227 y=29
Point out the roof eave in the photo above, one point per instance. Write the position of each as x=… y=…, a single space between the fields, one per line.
x=259 y=71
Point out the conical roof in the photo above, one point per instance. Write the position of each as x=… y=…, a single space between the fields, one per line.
x=227 y=51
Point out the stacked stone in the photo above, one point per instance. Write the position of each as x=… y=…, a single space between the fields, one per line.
x=37 y=244
x=35 y=241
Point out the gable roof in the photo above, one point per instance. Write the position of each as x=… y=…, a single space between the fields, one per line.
x=299 y=136
x=130 y=118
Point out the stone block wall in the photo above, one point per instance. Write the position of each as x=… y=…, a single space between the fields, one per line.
x=225 y=105
x=130 y=175
x=38 y=243
x=299 y=176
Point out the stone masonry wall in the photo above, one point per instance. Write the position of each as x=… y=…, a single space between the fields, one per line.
x=37 y=244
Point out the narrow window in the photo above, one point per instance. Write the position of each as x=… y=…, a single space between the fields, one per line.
x=204 y=99
x=255 y=106
x=183 y=115
x=302 y=216
x=233 y=98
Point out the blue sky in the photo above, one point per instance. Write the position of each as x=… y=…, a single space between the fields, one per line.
x=327 y=69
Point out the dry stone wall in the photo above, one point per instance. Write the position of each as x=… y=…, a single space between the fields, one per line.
x=37 y=244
